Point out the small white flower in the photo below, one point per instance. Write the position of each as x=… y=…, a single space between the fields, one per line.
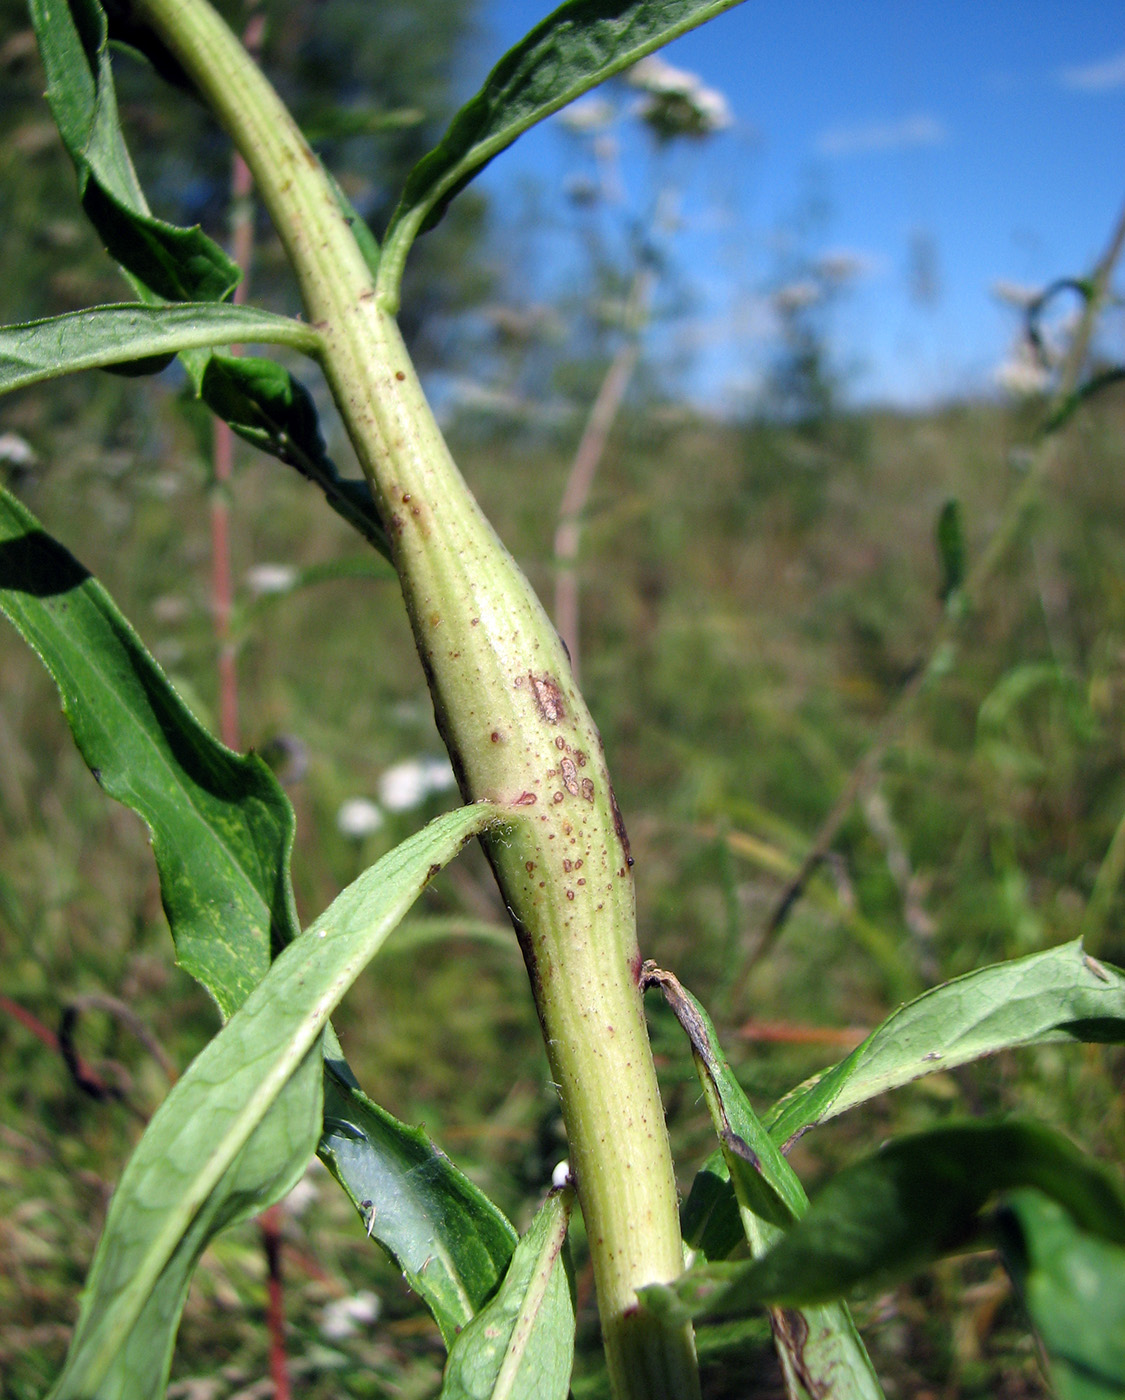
x=714 y=109
x=656 y=75
x=439 y=775
x=797 y=296
x=587 y=116
x=1023 y=373
x=344 y=1317
x=300 y=1198
x=406 y=785
x=841 y=265
x=16 y=450
x=358 y=817
x=676 y=102
x=170 y=608
x=1017 y=294
x=561 y=1175
x=270 y=578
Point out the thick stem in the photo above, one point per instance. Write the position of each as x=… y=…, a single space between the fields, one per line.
x=517 y=729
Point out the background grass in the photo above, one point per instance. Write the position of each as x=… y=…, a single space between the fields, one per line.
x=753 y=600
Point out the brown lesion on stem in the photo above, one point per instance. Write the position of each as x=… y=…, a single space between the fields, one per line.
x=548 y=697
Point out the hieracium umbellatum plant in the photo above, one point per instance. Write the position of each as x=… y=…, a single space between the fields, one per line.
x=272 y=1088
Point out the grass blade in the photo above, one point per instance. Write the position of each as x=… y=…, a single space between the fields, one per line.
x=229 y=1138
x=521 y=1346
x=581 y=44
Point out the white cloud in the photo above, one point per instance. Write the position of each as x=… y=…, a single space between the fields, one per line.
x=918 y=129
x=1096 y=77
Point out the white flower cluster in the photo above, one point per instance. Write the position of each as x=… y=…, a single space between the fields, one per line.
x=676 y=102
x=1017 y=294
x=359 y=817
x=270 y=578
x=588 y=116
x=402 y=787
x=344 y=1317
x=16 y=450
x=407 y=785
x=1023 y=373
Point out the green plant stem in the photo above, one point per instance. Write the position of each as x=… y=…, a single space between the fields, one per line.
x=518 y=731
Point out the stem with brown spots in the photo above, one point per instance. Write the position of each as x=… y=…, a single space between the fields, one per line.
x=517 y=729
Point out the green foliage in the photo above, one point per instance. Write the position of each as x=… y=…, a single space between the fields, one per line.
x=1072 y=1282
x=918 y=1198
x=108 y=336
x=521 y=1345
x=172 y=263
x=819 y=1345
x=264 y=404
x=239 y=1128
x=221 y=827
x=580 y=45
x=451 y=1243
x=1060 y=995
x=951 y=549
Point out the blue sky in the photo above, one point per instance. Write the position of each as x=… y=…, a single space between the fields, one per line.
x=974 y=142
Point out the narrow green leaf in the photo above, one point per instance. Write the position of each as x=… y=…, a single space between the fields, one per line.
x=581 y=44
x=1072 y=1285
x=951 y=549
x=709 y=1219
x=198 y=1159
x=821 y=1352
x=267 y=406
x=110 y=335
x=222 y=833
x=126 y=1331
x=222 y=829
x=1059 y=995
x=450 y=1241
x=174 y=264
x=166 y=263
x=521 y=1345
x=765 y=1182
x=918 y=1199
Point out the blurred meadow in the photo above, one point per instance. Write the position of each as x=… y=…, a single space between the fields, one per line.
x=756 y=593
